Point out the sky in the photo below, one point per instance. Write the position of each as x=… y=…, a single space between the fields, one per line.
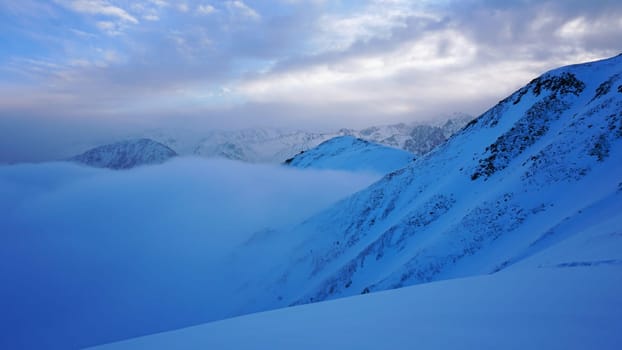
x=71 y=67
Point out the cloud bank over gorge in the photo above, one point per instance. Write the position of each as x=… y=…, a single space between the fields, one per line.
x=157 y=236
x=312 y=63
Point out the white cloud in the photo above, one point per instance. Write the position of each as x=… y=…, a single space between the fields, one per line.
x=205 y=9
x=159 y=3
x=106 y=25
x=109 y=27
x=376 y=20
x=345 y=79
x=576 y=27
x=148 y=11
x=584 y=28
x=110 y=56
x=344 y=58
x=239 y=8
x=183 y=7
x=100 y=7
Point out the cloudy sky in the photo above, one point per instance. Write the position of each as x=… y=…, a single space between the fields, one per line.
x=286 y=63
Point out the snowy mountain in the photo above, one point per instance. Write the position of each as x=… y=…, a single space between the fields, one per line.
x=263 y=145
x=566 y=297
x=515 y=219
x=491 y=196
x=417 y=138
x=126 y=154
x=453 y=123
x=258 y=145
x=352 y=154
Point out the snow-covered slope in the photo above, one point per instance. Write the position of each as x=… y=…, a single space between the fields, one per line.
x=562 y=293
x=352 y=154
x=475 y=205
x=564 y=297
x=126 y=154
x=545 y=309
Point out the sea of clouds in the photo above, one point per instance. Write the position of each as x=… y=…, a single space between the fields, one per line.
x=89 y=256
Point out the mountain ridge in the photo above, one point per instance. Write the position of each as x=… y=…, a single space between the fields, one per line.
x=491 y=183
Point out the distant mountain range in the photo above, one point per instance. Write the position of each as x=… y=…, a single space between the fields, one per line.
x=264 y=145
x=275 y=145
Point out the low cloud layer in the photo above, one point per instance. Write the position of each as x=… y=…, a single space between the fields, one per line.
x=90 y=255
x=231 y=64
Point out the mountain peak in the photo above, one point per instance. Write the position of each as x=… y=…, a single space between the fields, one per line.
x=126 y=154
x=352 y=153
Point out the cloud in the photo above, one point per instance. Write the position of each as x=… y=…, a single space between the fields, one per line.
x=239 y=8
x=100 y=7
x=336 y=79
x=420 y=60
x=108 y=246
x=159 y=3
x=375 y=20
x=109 y=27
x=149 y=11
x=183 y=7
x=205 y=9
x=349 y=64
